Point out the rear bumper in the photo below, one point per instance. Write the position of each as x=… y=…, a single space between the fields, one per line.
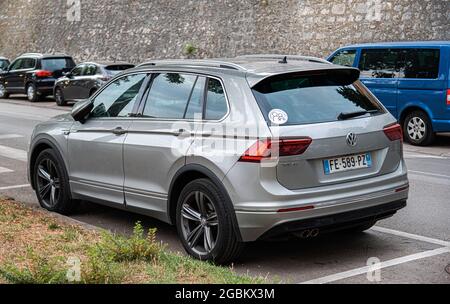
x=45 y=86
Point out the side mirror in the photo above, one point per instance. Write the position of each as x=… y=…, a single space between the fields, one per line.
x=81 y=110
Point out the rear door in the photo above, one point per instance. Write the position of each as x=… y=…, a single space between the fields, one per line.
x=342 y=149
x=380 y=69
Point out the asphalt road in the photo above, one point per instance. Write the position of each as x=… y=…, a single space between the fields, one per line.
x=412 y=247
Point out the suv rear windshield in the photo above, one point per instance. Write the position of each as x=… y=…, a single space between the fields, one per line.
x=58 y=64
x=314 y=98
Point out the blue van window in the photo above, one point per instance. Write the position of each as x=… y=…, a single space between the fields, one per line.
x=345 y=58
x=380 y=63
x=421 y=63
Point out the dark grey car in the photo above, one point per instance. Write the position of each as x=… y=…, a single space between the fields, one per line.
x=4 y=63
x=85 y=79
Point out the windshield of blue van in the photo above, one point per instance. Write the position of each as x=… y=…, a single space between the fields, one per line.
x=314 y=98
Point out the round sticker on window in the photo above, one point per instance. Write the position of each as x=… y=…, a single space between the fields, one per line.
x=278 y=117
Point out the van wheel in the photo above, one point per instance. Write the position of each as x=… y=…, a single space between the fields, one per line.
x=51 y=183
x=3 y=92
x=204 y=223
x=32 y=93
x=418 y=129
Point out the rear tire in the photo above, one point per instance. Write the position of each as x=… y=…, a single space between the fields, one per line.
x=32 y=93
x=3 y=93
x=418 y=129
x=51 y=183
x=204 y=221
x=59 y=97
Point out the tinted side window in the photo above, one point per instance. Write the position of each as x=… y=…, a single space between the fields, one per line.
x=16 y=64
x=195 y=106
x=90 y=70
x=28 y=63
x=118 y=98
x=77 y=70
x=346 y=58
x=216 y=103
x=421 y=63
x=380 y=63
x=168 y=96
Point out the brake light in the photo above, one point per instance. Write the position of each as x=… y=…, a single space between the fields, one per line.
x=264 y=149
x=394 y=132
x=448 y=97
x=43 y=73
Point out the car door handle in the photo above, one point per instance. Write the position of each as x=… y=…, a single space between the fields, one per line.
x=119 y=131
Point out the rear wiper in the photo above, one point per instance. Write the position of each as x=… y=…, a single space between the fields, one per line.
x=344 y=116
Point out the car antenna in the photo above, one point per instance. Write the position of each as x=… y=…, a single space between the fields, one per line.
x=284 y=60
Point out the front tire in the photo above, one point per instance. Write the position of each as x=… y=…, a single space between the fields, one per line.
x=59 y=97
x=32 y=93
x=418 y=129
x=3 y=92
x=204 y=221
x=51 y=183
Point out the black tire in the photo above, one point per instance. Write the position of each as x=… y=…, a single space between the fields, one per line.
x=361 y=227
x=226 y=247
x=55 y=175
x=32 y=97
x=417 y=129
x=59 y=97
x=3 y=93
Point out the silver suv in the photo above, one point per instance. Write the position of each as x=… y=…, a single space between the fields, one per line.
x=229 y=151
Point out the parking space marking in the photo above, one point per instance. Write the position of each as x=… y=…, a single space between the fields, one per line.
x=429 y=174
x=416 y=155
x=13 y=153
x=389 y=263
x=10 y=136
x=14 y=187
x=411 y=236
x=5 y=170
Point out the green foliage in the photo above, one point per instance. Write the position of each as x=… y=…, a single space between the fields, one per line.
x=189 y=49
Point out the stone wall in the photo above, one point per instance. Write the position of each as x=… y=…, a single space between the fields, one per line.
x=134 y=30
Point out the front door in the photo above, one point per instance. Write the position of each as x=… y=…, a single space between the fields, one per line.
x=96 y=147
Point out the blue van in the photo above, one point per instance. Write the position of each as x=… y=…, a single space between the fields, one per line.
x=410 y=78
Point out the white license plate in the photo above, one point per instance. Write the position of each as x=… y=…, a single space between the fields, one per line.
x=347 y=163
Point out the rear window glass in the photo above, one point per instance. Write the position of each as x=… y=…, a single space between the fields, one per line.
x=116 y=69
x=313 y=98
x=56 y=64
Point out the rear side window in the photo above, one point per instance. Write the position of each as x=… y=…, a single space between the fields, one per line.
x=216 y=103
x=90 y=70
x=314 y=98
x=421 y=63
x=56 y=64
x=168 y=96
x=380 y=63
x=345 y=58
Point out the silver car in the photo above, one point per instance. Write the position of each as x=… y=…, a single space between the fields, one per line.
x=229 y=151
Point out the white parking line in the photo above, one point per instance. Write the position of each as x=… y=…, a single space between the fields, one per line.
x=13 y=153
x=416 y=155
x=10 y=136
x=5 y=170
x=429 y=174
x=412 y=236
x=389 y=263
x=14 y=187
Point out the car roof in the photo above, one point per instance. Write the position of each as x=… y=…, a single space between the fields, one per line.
x=107 y=63
x=255 y=67
x=3 y=58
x=40 y=55
x=402 y=44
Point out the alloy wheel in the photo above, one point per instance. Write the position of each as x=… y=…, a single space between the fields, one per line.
x=48 y=182
x=58 y=96
x=200 y=224
x=416 y=128
x=30 y=92
x=2 y=91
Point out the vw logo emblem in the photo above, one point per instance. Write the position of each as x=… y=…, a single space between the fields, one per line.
x=351 y=139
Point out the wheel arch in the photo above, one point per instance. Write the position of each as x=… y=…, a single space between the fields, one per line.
x=411 y=108
x=187 y=174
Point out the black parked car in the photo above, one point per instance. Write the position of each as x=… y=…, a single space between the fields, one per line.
x=34 y=74
x=4 y=63
x=85 y=79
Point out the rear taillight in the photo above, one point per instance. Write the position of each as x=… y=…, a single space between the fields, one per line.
x=264 y=149
x=448 y=97
x=394 y=132
x=43 y=73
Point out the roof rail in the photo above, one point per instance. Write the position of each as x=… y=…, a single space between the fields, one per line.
x=288 y=57
x=31 y=54
x=43 y=54
x=196 y=63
